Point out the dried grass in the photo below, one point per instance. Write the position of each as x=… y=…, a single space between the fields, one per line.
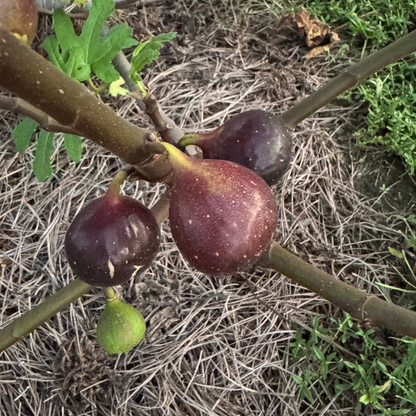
x=213 y=346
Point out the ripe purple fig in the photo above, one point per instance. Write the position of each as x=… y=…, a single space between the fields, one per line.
x=222 y=215
x=255 y=139
x=20 y=17
x=112 y=239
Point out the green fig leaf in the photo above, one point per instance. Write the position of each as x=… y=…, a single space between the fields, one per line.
x=116 y=88
x=78 y=56
x=44 y=148
x=23 y=132
x=146 y=53
x=73 y=145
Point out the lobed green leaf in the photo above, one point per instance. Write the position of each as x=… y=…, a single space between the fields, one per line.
x=92 y=51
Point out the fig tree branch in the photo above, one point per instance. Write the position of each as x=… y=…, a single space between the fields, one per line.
x=358 y=304
x=37 y=316
x=350 y=78
x=18 y=105
x=35 y=80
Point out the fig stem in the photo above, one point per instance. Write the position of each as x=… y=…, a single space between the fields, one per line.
x=176 y=156
x=189 y=139
x=350 y=78
x=118 y=180
x=110 y=295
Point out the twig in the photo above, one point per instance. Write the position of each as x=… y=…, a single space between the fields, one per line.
x=18 y=105
x=170 y=130
x=152 y=110
x=350 y=77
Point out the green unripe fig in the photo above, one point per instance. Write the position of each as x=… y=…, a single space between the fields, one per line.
x=120 y=327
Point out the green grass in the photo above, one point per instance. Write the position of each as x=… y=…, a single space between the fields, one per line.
x=372 y=23
x=366 y=26
x=391 y=94
x=391 y=115
x=366 y=368
x=345 y=358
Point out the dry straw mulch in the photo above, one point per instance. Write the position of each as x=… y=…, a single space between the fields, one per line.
x=213 y=346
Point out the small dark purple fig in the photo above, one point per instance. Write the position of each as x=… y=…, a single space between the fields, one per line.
x=112 y=239
x=255 y=139
x=20 y=17
x=222 y=215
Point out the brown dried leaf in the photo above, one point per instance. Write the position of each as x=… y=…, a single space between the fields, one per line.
x=312 y=29
x=320 y=49
x=317 y=34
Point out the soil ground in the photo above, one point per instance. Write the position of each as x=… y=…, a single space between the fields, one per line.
x=214 y=346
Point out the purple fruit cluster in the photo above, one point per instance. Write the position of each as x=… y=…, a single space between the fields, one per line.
x=222 y=214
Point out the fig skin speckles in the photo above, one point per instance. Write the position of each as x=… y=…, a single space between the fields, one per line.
x=256 y=139
x=112 y=239
x=222 y=215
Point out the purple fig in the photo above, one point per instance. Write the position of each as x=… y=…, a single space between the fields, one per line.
x=258 y=140
x=222 y=215
x=112 y=239
x=20 y=17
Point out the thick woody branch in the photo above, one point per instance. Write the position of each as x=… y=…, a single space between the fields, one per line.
x=358 y=304
x=35 y=80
